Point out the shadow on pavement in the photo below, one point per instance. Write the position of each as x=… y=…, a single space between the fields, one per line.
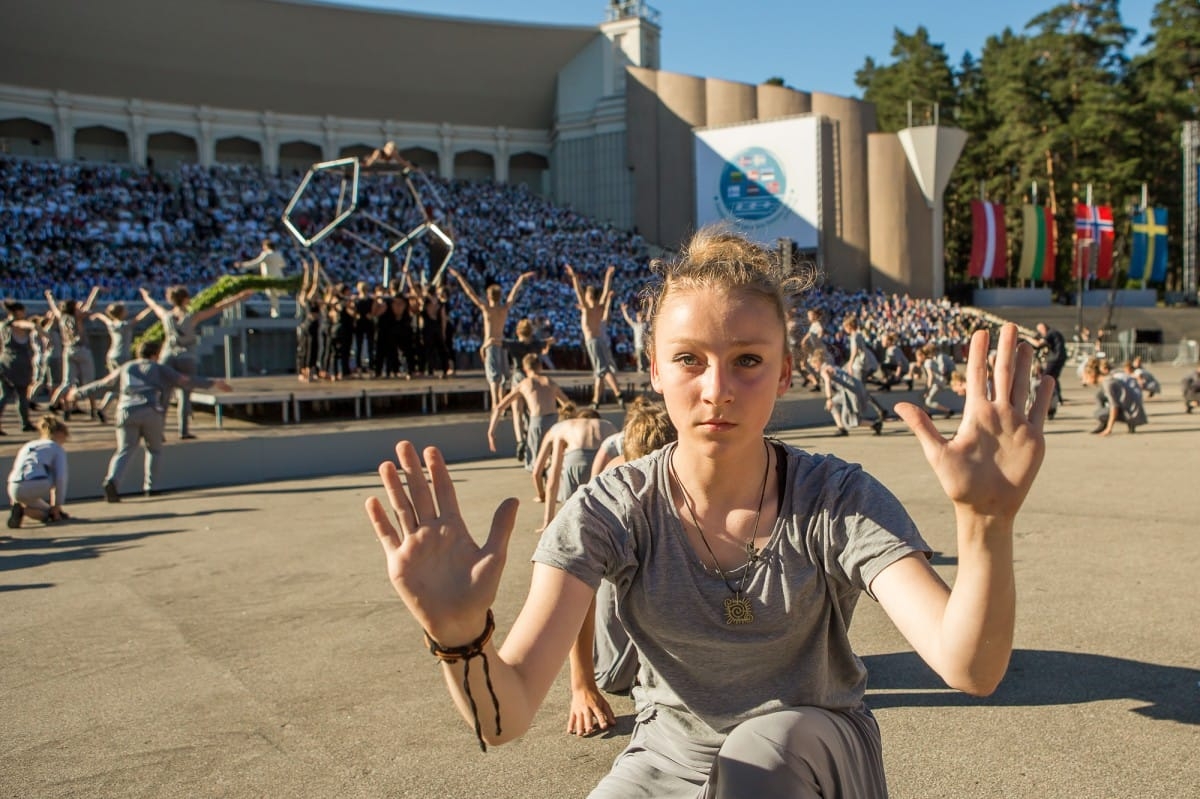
x=1043 y=677
x=60 y=549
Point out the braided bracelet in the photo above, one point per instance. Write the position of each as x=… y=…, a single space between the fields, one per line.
x=464 y=653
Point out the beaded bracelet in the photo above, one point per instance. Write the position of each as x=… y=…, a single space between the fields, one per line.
x=464 y=653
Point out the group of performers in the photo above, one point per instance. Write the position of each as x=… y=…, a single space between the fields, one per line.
x=402 y=329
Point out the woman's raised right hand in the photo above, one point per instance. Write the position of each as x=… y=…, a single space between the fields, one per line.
x=447 y=580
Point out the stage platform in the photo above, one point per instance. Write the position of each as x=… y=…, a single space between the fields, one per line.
x=323 y=435
x=287 y=400
x=277 y=427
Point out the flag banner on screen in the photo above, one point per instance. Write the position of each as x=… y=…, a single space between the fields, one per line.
x=1038 y=251
x=989 y=249
x=762 y=178
x=1149 y=258
x=1093 y=241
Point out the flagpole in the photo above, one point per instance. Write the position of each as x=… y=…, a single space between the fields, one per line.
x=982 y=199
x=1087 y=270
x=1145 y=203
x=1032 y=281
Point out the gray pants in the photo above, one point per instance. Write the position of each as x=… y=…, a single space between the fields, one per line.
x=147 y=425
x=32 y=493
x=534 y=433
x=78 y=367
x=185 y=364
x=793 y=753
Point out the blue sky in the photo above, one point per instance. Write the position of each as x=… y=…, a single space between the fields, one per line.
x=814 y=46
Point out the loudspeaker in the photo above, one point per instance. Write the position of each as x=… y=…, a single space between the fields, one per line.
x=1144 y=336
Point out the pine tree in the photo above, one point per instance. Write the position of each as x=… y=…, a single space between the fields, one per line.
x=1089 y=137
x=1165 y=84
x=920 y=73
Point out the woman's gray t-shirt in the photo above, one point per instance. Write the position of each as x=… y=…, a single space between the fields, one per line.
x=838 y=528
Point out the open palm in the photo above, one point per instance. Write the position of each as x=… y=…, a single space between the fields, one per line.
x=993 y=458
x=447 y=580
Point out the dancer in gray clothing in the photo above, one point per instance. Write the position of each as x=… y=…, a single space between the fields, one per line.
x=737 y=561
x=78 y=366
x=143 y=387
x=181 y=336
x=37 y=483
x=120 y=341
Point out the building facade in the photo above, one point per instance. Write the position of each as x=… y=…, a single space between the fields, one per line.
x=582 y=115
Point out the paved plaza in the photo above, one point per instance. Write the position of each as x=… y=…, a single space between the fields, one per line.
x=243 y=641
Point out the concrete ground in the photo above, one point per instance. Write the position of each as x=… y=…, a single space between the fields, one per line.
x=243 y=641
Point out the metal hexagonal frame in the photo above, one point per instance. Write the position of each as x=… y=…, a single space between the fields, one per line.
x=347 y=207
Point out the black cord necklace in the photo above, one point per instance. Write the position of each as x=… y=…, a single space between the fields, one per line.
x=737 y=607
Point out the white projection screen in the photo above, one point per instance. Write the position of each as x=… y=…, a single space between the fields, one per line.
x=762 y=178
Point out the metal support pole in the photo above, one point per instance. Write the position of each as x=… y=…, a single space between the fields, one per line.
x=1190 y=142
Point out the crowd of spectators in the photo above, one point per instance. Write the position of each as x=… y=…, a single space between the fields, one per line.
x=71 y=226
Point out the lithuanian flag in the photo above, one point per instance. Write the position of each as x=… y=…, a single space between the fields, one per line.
x=1038 y=251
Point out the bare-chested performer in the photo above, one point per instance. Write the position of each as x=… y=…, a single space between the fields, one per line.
x=495 y=315
x=541 y=396
x=594 y=308
x=389 y=153
x=566 y=456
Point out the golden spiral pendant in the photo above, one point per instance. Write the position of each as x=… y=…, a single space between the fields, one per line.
x=738 y=611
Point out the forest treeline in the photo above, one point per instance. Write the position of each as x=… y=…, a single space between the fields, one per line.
x=1062 y=104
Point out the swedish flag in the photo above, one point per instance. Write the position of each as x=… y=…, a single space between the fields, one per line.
x=1149 y=259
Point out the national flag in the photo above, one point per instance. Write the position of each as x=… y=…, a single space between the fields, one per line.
x=989 y=251
x=773 y=187
x=752 y=174
x=1094 y=225
x=1038 y=251
x=1149 y=258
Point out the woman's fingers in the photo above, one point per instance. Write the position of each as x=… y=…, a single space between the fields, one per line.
x=922 y=427
x=418 y=486
x=405 y=516
x=1041 y=403
x=977 y=369
x=388 y=536
x=1004 y=371
x=1022 y=376
x=443 y=485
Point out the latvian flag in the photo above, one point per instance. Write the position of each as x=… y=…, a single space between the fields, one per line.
x=988 y=247
x=1149 y=259
x=1038 y=251
x=1093 y=241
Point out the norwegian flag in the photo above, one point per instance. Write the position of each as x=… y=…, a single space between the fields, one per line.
x=989 y=246
x=1093 y=241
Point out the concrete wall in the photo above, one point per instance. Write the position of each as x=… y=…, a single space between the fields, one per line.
x=848 y=244
x=591 y=176
x=728 y=103
x=780 y=101
x=293 y=58
x=641 y=140
x=307 y=450
x=900 y=223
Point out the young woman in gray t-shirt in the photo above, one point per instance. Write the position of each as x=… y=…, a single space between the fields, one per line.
x=736 y=561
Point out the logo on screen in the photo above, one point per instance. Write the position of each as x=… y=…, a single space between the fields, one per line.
x=752 y=187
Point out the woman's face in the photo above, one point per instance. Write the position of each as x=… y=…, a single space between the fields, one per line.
x=720 y=361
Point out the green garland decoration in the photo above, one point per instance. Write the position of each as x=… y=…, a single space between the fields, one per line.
x=226 y=286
